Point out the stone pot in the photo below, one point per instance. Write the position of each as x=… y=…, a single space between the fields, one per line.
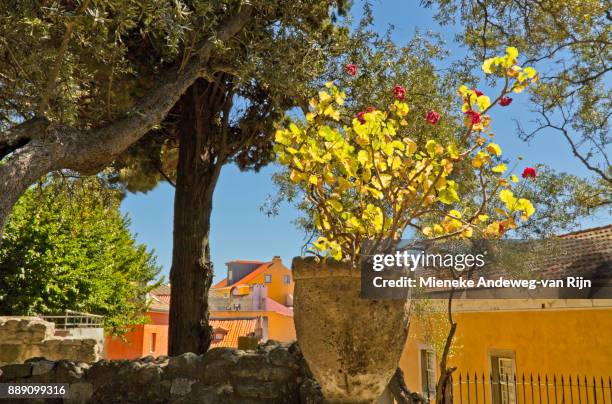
x=351 y=345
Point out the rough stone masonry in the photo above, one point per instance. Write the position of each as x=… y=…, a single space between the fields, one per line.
x=22 y=338
x=274 y=373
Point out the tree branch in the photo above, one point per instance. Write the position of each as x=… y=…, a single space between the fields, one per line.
x=50 y=87
x=54 y=147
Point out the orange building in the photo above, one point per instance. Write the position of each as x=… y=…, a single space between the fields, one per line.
x=510 y=338
x=253 y=289
x=255 y=299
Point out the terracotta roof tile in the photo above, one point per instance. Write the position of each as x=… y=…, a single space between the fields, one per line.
x=585 y=253
x=600 y=233
x=220 y=284
x=163 y=289
x=235 y=328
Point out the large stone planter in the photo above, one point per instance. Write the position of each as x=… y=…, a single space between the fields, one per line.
x=351 y=345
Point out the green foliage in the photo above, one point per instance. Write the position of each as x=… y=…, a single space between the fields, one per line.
x=67 y=246
x=115 y=49
x=569 y=43
x=561 y=200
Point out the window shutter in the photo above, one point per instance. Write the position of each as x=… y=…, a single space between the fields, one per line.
x=424 y=378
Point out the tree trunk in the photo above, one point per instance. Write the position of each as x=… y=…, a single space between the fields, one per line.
x=191 y=273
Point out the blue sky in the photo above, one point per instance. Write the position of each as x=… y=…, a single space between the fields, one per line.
x=241 y=231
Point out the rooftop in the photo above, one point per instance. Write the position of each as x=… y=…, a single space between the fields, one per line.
x=235 y=328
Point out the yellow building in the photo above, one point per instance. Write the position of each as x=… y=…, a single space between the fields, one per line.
x=256 y=290
x=495 y=338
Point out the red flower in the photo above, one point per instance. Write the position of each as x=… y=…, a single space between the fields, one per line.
x=351 y=69
x=478 y=92
x=432 y=117
x=361 y=114
x=505 y=101
x=529 y=172
x=399 y=92
x=474 y=117
x=361 y=117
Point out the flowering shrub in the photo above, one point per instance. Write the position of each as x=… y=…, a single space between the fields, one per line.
x=366 y=179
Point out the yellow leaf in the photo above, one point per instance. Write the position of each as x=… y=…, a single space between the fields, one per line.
x=401 y=108
x=483 y=218
x=483 y=102
x=512 y=52
x=335 y=204
x=467 y=232
x=530 y=72
x=507 y=197
x=397 y=163
x=362 y=157
x=431 y=147
x=526 y=206
x=453 y=152
x=500 y=168
x=487 y=66
x=455 y=213
x=448 y=196
x=295 y=176
x=313 y=180
x=494 y=148
x=324 y=96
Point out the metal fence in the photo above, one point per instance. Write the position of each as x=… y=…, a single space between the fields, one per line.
x=75 y=319
x=474 y=388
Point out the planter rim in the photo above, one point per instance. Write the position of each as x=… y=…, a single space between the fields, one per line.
x=314 y=267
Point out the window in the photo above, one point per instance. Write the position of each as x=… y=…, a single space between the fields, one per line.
x=503 y=369
x=268 y=278
x=287 y=279
x=153 y=341
x=428 y=373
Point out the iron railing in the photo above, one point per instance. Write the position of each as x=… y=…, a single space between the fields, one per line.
x=474 y=388
x=75 y=319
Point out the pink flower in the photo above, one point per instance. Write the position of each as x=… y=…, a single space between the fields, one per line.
x=529 y=172
x=432 y=117
x=474 y=117
x=351 y=69
x=399 y=92
x=505 y=101
x=478 y=92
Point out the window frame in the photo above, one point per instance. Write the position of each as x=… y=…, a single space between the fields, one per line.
x=428 y=372
x=268 y=278
x=503 y=391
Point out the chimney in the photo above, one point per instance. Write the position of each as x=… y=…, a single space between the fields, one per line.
x=276 y=259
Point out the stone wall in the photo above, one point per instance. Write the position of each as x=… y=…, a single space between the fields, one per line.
x=27 y=337
x=274 y=373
